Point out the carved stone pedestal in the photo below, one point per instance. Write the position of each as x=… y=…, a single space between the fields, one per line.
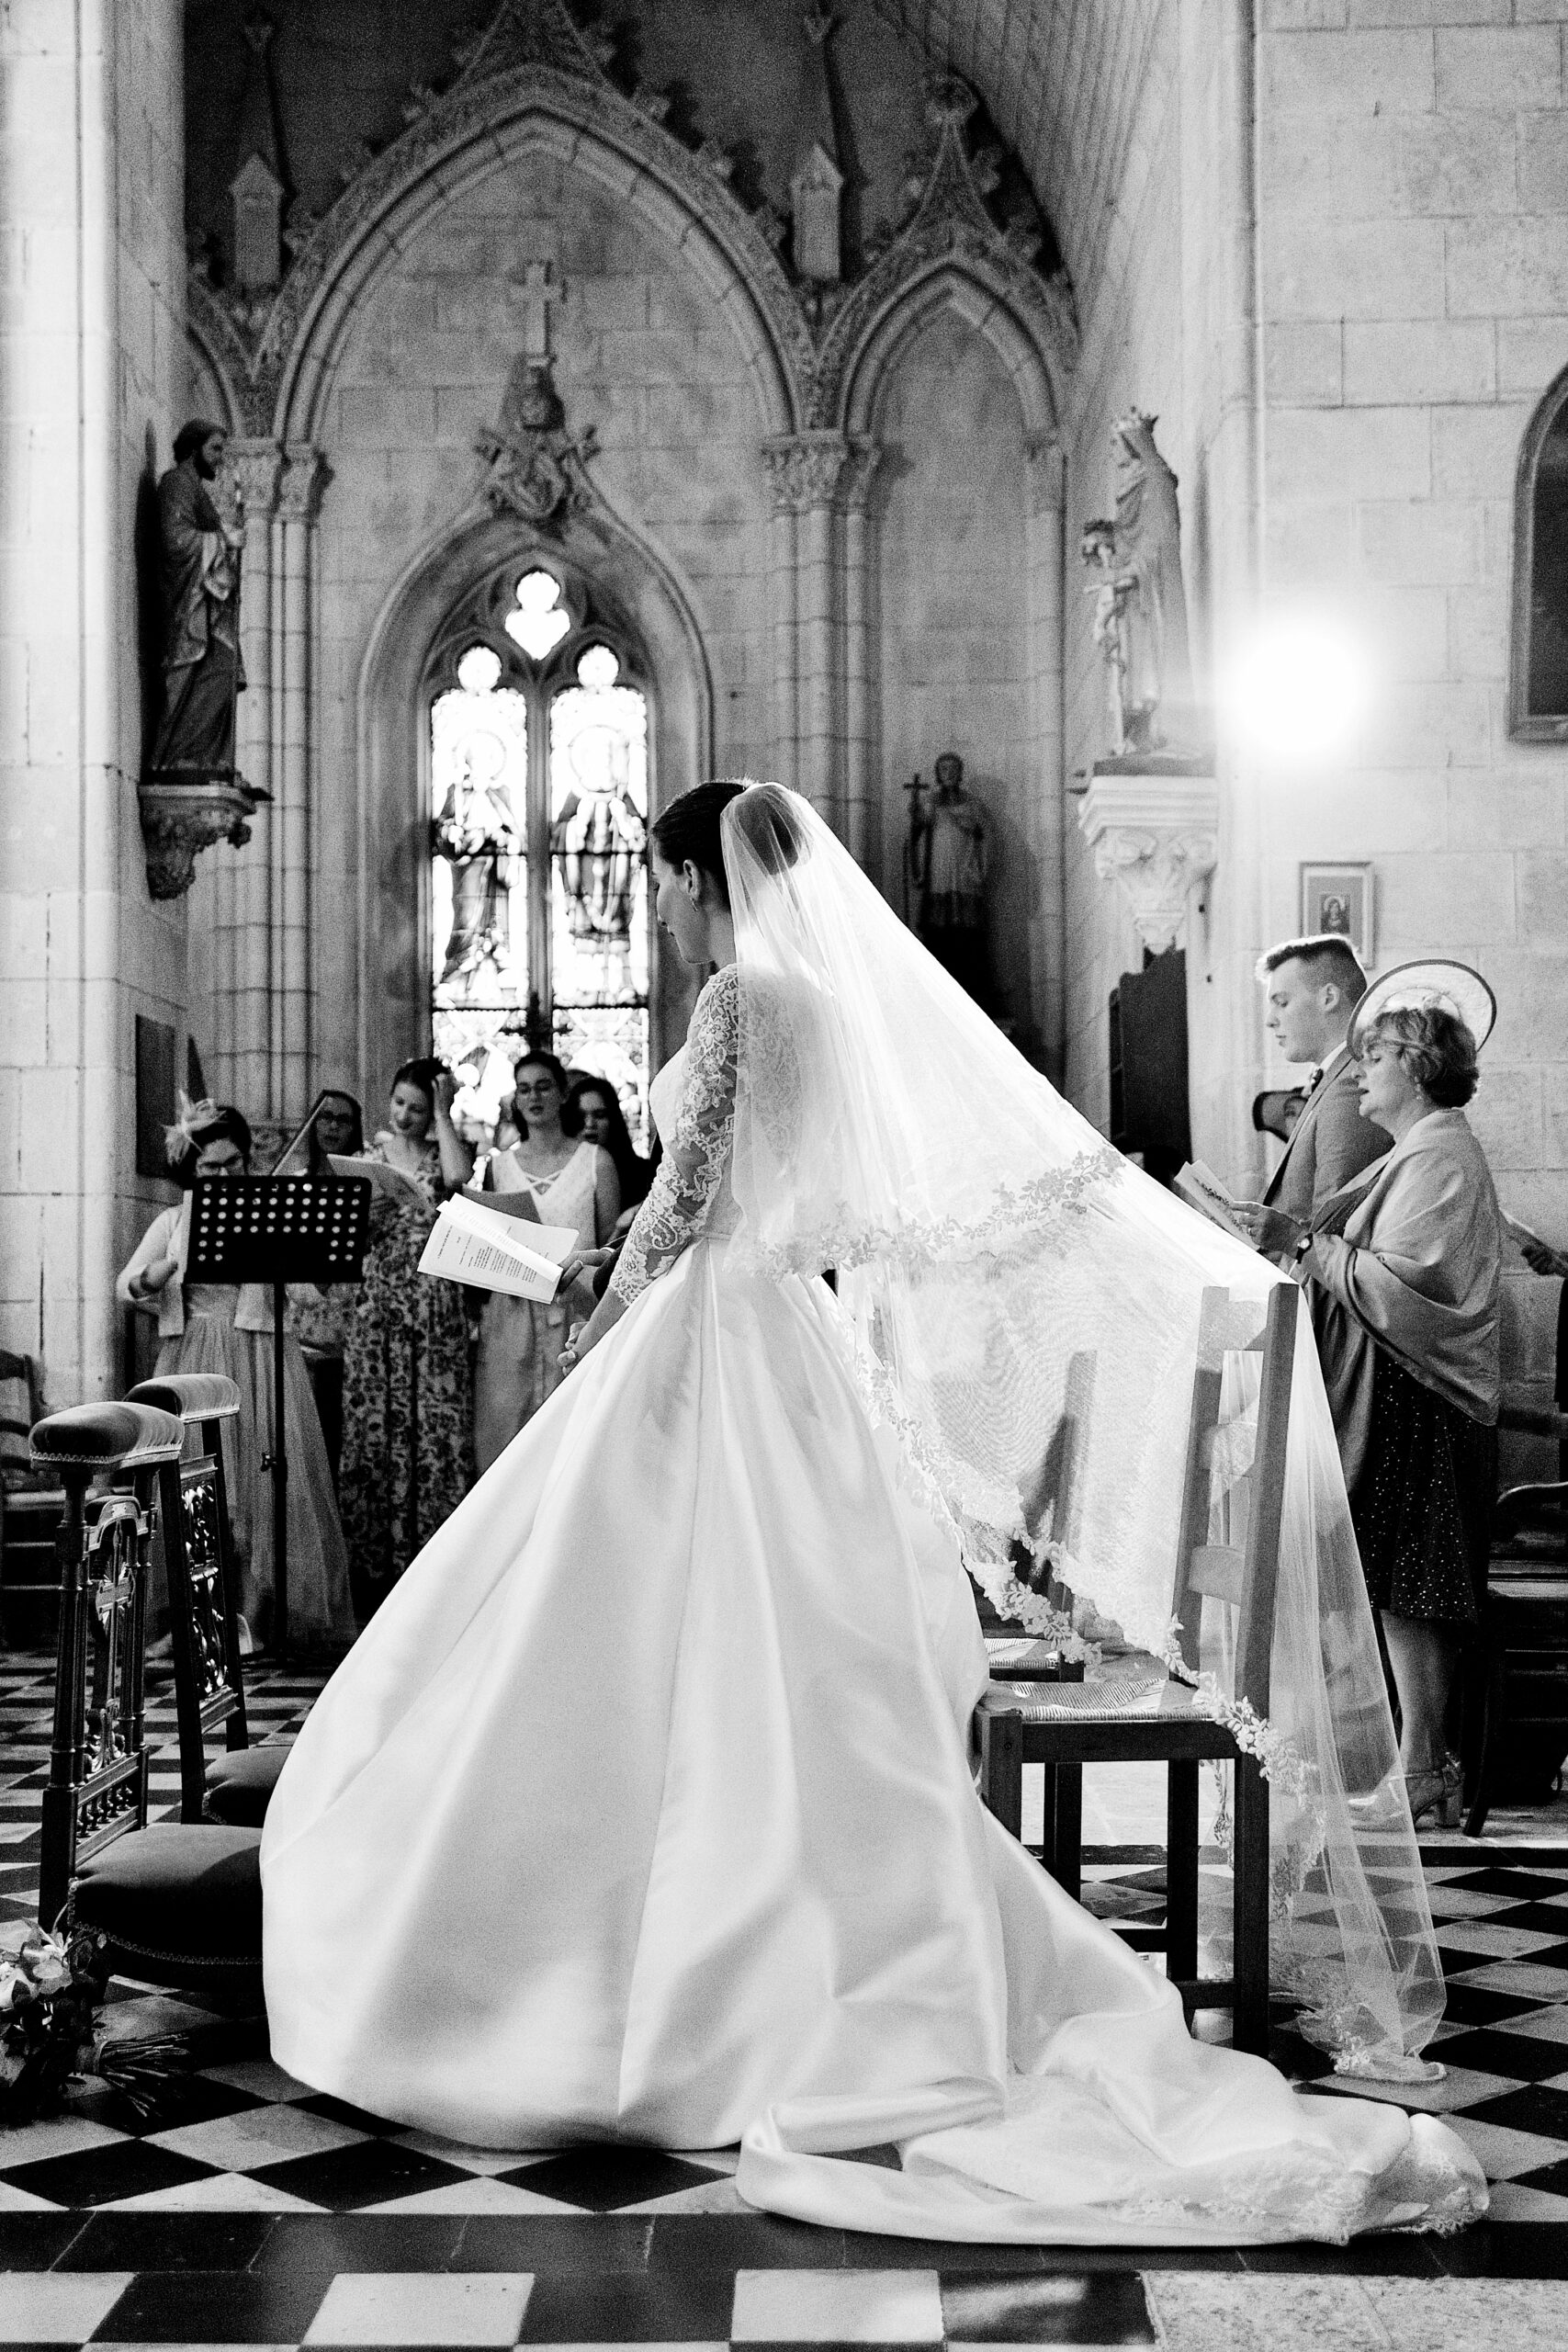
x=1156 y=836
x=178 y=821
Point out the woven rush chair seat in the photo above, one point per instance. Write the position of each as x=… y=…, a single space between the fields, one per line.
x=1121 y=1699
x=177 y=1902
x=240 y=1783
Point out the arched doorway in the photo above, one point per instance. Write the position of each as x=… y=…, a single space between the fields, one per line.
x=538 y=736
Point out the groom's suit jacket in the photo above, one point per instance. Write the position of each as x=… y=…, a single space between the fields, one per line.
x=1330 y=1143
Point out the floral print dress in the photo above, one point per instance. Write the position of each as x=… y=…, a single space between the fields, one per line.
x=407 y=1407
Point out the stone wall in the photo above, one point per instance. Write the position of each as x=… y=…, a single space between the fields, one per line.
x=1415 y=300
x=91 y=168
x=736 y=71
x=954 y=636
x=646 y=356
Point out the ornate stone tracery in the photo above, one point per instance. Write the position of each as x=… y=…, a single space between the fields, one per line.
x=536 y=84
x=534 y=62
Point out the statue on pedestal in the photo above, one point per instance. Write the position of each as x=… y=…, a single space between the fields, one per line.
x=203 y=673
x=947 y=864
x=1140 y=613
x=192 y=795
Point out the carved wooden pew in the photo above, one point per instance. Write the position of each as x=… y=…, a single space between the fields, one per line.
x=209 y=1691
x=171 y=1902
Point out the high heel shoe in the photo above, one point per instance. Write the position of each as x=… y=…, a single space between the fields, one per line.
x=1434 y=1796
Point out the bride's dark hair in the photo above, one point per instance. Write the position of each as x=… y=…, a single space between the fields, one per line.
x=689 y=828
x=692 y=827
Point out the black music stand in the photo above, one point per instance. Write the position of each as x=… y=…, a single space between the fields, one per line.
x=277 y=1230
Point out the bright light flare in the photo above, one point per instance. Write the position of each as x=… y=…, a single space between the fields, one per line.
x=1298 y=690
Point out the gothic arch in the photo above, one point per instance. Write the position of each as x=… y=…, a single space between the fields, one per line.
x=951 y=251
x=634 y=582
x=957 y=286
x=1538 y=690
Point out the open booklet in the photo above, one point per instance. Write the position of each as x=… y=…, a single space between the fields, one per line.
x=1202 y=1190
x=387 y=1183
x=497 y=1249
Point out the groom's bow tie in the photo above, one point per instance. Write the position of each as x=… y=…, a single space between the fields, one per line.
x=1314 y=1082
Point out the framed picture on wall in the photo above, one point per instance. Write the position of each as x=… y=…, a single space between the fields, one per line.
x=1338 y=899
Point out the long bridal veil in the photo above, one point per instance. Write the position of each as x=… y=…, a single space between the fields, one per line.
x=1022 y=1307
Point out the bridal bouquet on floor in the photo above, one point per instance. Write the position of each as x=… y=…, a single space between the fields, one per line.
x=50 y=2033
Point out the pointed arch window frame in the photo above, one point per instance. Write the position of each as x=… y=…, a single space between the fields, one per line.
x=1525 y=725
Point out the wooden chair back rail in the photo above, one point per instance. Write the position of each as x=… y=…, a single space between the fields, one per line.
x=97 y=1786
x=209 y=1687
x=1266 y=1491
x=1243 y=1571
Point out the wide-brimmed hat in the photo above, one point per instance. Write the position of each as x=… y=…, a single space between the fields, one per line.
x=1430 y=980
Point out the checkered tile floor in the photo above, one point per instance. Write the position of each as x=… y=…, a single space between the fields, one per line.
x=260 y=2211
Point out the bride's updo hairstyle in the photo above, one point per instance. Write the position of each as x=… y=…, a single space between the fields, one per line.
x=693 y=827
x=689 y=828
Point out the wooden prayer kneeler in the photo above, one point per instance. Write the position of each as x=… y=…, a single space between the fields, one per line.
x=1065 y=1725
x=209 y=1689
x=277 y=1230
x=171 y=1902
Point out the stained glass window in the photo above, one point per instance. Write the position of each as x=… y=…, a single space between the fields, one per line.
x=599 y=878
x=539 y=905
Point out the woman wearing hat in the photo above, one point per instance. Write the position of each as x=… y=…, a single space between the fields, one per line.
x=1403 y=1268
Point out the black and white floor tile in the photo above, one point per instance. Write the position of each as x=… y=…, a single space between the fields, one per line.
x=258 y=2212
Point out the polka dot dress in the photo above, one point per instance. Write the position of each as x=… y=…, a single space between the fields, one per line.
x=1422 y=1506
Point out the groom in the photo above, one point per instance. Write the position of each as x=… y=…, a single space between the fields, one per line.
x=1314 y=987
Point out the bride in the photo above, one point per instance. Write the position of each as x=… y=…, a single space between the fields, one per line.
x=644 y=1810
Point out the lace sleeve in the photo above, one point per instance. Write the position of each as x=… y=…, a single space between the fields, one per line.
x=697 y=1154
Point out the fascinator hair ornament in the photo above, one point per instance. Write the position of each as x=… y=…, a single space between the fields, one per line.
x=191 y=1122
x=1432 y=983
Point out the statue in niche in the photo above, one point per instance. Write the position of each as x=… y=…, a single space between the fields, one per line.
x=199 y=563
x=1139 y=611
x=946 y=867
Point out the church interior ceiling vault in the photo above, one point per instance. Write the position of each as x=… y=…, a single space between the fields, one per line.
x=534 y=74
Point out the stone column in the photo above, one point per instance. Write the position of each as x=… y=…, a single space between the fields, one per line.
x=1044 y=562
x=298 y=502
x=91 y=341
x=861 y=795
x=781 y=462
x=822 y=458
x=242 y=883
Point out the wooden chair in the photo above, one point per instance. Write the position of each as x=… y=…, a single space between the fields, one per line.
x=29 y=1511
x=198 y=1557
x=1515 y=1692
x=1065 y=1725
x=170 y=1902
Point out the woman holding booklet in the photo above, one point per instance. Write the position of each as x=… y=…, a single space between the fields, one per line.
x=407 y=1450
x=569 y=1182
x=221 y=1327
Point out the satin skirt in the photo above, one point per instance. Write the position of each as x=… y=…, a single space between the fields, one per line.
x=644 y=1810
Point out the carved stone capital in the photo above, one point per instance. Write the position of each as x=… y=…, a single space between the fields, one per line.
x=179 y=820
x=304 y=477
x=1157 y=836
x=251 y=470
x=804 y=471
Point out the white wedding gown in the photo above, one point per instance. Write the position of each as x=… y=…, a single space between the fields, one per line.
x=643 y=1810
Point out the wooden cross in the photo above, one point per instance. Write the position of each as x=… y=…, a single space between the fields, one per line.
x=541 y=292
